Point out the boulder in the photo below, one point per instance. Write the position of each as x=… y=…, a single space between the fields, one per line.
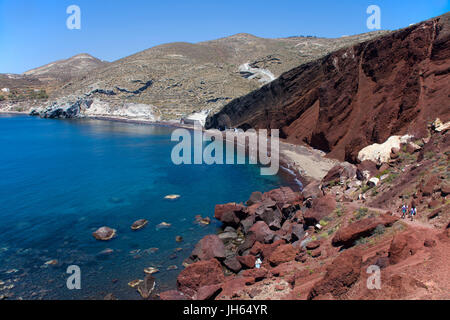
x=312 y=190
x=286 y=231
x=139 y=224
x=233 y=264
x=272 y=217
x=200 y=274
x=247 y=223
x=346 y=236
x=282 y=196
x=208 y=248
x=265 y=250
x=339 y=172
x=262 y=232
x=298 y=232
x=228 y=236
x=255 y=198
x=321 y=208
x=247 y=261
x=248 y=242
x=341 y=275
x=316 y=253
x=368 y=169
x=313 y=245
x=104 y=234
x=282 y=253
x=230 y=214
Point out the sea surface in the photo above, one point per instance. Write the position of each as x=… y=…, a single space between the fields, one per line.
x=60 y=180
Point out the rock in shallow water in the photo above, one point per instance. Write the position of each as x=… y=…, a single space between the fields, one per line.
x=104 y=234
x=139 y=224
x=146 y=287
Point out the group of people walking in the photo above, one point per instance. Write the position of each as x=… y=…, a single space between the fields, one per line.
x=412 y=212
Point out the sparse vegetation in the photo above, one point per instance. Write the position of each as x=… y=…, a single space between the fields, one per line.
x=379 y=230
x=429 y=155
x=361 y=213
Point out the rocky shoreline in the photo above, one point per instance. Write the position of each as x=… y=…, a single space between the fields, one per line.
x=317 y=244
x=306 y=243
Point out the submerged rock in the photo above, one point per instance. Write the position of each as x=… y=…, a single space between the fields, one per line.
x=172 y=197
x=151 y=270
x=164 y=225
x=135 y=283
x=146 y=287
x=139 y=224
x=52 y=262
x=104 y=234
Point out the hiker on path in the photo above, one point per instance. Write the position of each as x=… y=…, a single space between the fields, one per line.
x=404 y=211
x=412 y=213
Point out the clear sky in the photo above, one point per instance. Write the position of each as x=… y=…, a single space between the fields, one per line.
x=34 y=32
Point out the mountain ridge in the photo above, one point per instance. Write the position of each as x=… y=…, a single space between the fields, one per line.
x=355 y=96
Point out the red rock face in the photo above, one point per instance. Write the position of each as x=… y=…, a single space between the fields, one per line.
x=363 y=228
x=402 y=247
x=283 y=253
x=343 y=272
x=200 y=274
x=356 y=96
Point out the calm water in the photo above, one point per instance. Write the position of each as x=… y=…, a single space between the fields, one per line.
x=61 y=180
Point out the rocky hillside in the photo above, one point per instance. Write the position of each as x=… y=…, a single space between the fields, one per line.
x=356 y=96
x=326 y=241
x=32 y=88
x=64 y=70
x=181 y=78
x=177 y=79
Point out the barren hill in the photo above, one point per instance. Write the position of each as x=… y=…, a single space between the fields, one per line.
x=180 y=78
x=356 y=96
x=67 y=69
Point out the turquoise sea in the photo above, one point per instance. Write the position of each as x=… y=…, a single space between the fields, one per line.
x=60 y=180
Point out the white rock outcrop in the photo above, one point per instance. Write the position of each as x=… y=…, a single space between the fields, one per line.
x=380 y=153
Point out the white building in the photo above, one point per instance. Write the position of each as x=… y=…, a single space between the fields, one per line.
x=6 y=90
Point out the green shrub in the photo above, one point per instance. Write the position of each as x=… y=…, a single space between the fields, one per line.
x=323 y=223
x=2 y=98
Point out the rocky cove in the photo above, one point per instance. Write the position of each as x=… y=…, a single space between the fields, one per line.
x=317 y=243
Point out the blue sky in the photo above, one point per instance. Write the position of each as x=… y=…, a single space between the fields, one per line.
x=34 y=33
